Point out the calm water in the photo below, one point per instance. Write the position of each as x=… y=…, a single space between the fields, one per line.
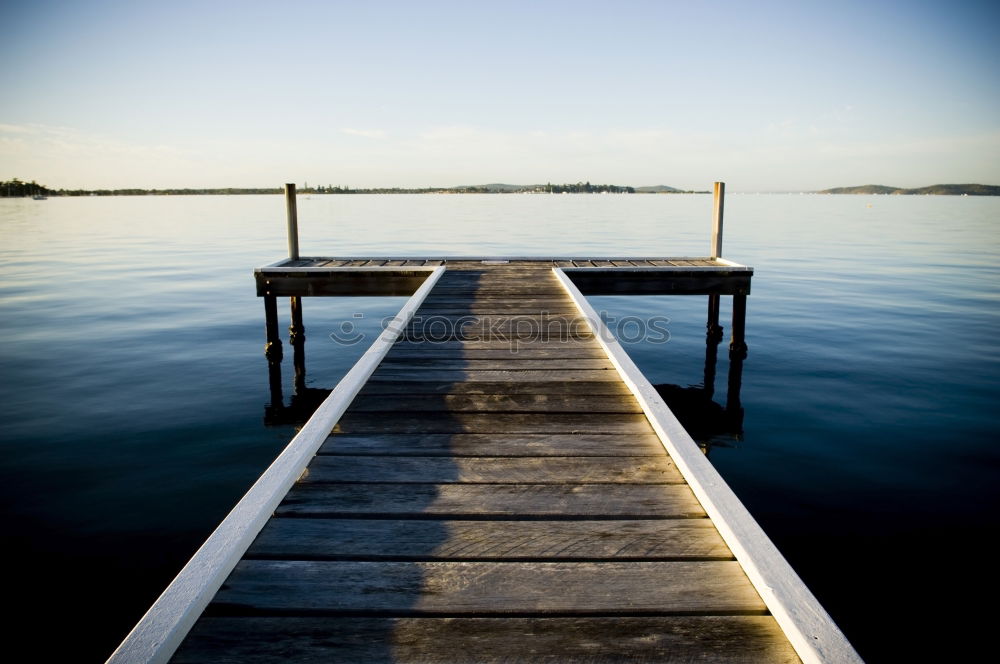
x=134 y=383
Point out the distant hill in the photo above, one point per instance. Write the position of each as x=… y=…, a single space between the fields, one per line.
x=657 y=189
x=935 y=189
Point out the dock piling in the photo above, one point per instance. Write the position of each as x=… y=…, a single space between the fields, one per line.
x=272 y=345
x=717 y=206
x=737 y=343
x=714 y=330
x=297 y=339
x=293 y=222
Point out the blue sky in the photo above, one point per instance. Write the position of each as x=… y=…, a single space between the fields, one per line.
x=764 y=95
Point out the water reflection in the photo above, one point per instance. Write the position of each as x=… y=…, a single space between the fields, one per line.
x=305 y=400
x=710 y=423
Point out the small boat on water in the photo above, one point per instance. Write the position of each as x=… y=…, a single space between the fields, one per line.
x=39 y=197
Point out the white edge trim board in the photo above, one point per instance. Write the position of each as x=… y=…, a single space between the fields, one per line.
x=660 y=269
x=380 y=269
x=158 y=634
x=809 y=628
x=280 y=263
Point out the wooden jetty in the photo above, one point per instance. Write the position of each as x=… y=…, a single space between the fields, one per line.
x=494 y=481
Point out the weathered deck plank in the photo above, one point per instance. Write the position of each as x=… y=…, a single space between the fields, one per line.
x=380 y=385
x=391 y=363
x=501 y=423
x=632 y=588
x=509 y=445
x=508 y=501
x=374 y=539
x=489 y=470
x=504 y=403
x=497 y=376
x=509 y=640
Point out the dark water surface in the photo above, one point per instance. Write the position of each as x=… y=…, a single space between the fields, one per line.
x=134 y=386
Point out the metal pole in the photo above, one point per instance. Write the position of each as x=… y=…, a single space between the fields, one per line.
x=293 y=222
x=720 y=195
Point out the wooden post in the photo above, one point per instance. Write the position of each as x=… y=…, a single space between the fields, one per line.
x=720 y=195
x=711 y=356
x=734 y=409
x=297 y=338
x=272 y=345
x=737 y=344
x=714 y=329
x=293 y=222
x=272 y=410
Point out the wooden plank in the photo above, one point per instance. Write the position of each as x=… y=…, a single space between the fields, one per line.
x=487 y=588
x=473 y=501
x=441 y=300
x=428 y=350
x=499 y=345
x=501 y=290
x=491 y=470
x=354 y=422
x=544 y=317
x=413 y=387
x=498 y=403
x=412 y=539
x=460 y=310
x=342 y=283
x=343 y=640
x=511 y=376
x=507 y=445
x=661 y=283
x=494 y=336
x=514 y=363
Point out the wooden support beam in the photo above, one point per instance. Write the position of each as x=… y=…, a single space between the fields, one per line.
x=720 y=195
x=293 y=222
x=737 y=343
x=711 y=357
x=734 y=409
x=297 y=338
x=272 y=345
x=713 y=329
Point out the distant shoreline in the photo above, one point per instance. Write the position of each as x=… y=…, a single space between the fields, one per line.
x=19 y=189
x=933 y=190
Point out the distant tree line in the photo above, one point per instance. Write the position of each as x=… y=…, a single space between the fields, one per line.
x=14 y=188
x=587 y=188
x=17 y=188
